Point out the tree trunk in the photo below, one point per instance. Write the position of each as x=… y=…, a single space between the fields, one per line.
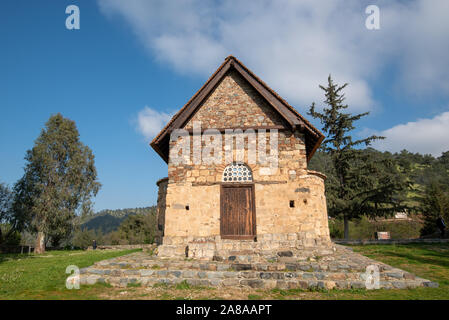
x=40 y=243
x=346 y=224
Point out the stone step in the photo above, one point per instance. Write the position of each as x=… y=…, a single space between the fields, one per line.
x=208 y=248
x=231 y=273
x=344 y=270
x=269 y=280
x=224 y=266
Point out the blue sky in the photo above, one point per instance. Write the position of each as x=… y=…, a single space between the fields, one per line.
x=133 y=63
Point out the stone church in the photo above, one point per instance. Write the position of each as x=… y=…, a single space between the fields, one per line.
x=237 y=202
x=240 y=203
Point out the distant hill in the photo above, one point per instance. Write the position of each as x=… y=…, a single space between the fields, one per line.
x=109 y=220
x=420 y=169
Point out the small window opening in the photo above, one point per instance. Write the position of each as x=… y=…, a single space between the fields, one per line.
x=292 y=203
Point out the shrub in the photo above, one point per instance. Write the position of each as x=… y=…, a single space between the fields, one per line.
x=83 y=238
x=433 y=204
x=9 y=237
x=364 y=229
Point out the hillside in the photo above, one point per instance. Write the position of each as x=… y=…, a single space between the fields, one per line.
x=109 y=220
x=420 y=170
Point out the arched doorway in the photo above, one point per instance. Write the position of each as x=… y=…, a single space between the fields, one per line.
x=237 y=203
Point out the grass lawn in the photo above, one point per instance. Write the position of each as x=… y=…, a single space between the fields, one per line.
x=43 y=277
x=24 y=276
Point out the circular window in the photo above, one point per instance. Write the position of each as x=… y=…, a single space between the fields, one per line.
x=237 y=172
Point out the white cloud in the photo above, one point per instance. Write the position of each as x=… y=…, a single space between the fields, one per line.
x=426 y=136
x=150 y=122
x=294 y=45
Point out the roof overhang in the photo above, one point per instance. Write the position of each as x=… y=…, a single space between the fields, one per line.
x=292 y=117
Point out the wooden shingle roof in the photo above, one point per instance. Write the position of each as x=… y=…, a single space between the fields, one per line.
x=294 y=119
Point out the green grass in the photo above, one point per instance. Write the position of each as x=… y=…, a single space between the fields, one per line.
x=183 y=286
x=24 y=276
x=429 y=261
x=134 y=285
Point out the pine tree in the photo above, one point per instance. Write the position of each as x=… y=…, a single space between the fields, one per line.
x=434 y=203
x=5 y=207
x=363 y=184
x=60 y=178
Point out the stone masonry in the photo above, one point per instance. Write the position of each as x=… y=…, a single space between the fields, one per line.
x=235 y=104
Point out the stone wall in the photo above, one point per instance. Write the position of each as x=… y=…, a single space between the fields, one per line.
x=194 y=210
x=161 y=206
x=203 y=215
x=291 y=161
x=307 y=217
x=234 y=104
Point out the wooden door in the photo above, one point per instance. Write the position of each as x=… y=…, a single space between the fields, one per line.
x=238 y=218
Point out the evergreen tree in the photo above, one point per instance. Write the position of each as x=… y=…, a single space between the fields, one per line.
x=138 y=228
x=362 y=184
x=5 y=207
x=434 y=204
x=444 y=160
x=59 y=179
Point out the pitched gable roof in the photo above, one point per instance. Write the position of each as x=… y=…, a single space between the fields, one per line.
x=295 y=120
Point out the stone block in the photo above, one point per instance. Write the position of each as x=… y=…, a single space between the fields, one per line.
x=146 y=272
x=430 y=284
x=231 y=282
x=290 y=275
x=215 y=275
x=241 y=266
x=189 y=274
x=409 y=276
x=230 y=274
x=281 y=284
x=223 y=267
x=175 y=273
x=357 y=284
x=253 y=283
x=285 y=254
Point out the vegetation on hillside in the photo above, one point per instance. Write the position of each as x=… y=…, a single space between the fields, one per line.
x=109 y=220
x=364 y=228
x=136 y=226
x=425 y=200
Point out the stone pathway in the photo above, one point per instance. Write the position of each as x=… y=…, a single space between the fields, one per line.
x=340 y=268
